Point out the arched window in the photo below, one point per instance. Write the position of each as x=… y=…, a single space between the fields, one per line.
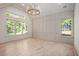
x=67 y=26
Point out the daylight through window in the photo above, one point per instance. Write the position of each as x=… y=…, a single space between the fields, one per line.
x=15 y=26
x=66 y=26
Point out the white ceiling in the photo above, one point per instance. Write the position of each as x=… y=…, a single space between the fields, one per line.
x=45 y=8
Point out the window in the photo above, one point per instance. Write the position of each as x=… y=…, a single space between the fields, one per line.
x=15 y=26
x=66 y=26
x=10 y=27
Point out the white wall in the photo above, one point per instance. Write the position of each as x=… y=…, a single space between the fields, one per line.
x=49 y=27
x=3 y=35
x=76 y=28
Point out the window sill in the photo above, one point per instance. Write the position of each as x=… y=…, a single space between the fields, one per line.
x=66 y=33
x=17 y=34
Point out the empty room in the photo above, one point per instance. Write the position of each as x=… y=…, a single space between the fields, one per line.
x=39 y=29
